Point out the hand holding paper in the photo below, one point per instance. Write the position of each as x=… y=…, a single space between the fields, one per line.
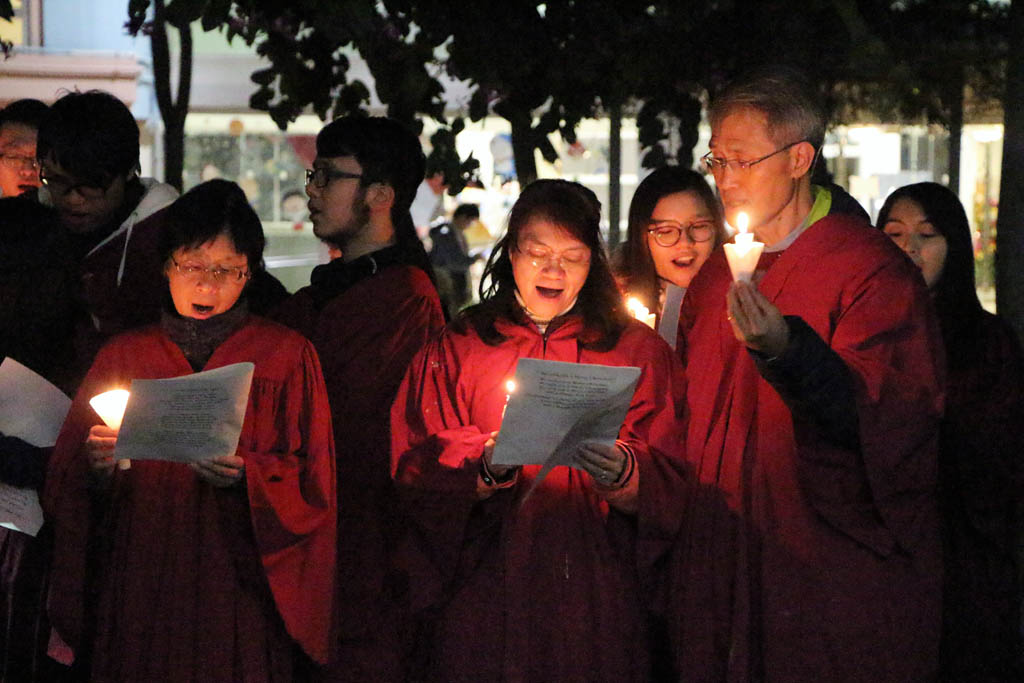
x=603 y=462
x=222 y=471
x=496 y=470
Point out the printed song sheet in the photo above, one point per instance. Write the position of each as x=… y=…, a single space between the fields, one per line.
x=557 y=405
x=185 y=419
x=32 y=410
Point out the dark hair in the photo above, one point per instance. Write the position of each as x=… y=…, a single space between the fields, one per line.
x=388 y=153
x=575 y=209
x=216 y=207
x=784 y=95
x=27 y=112
x=466 y=211
x=635 y=266
x=955 y=296
x=92 y=135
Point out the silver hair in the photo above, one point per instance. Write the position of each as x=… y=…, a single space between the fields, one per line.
x=785 y=96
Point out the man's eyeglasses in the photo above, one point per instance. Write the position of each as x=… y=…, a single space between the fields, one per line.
x=196 y=271
x=18 y=163
x=719 y=164
x=60 y=185
x=668 y=233
x=319 y=177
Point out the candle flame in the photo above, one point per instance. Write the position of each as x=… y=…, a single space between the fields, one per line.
x=635 y=307
x=110 y=406
x=742 y=221
x=510 y=386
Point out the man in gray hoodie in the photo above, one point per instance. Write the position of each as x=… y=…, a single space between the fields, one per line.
x=88 y=150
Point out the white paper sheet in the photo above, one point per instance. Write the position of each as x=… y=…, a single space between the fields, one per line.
x=668 y=326
x=33 y=410
x=185 y=419
x=20 y=509
x=558 y=405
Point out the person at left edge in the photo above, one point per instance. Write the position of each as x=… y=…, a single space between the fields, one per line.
x=367 y=313
x=19 y=127
x=221 y=570
x=518 y=578
x=36 y=330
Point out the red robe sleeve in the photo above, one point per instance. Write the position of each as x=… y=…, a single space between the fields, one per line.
x=888 y=337
x=67 y=501
x=292 y=503
x=653 y=431
x=435 y=459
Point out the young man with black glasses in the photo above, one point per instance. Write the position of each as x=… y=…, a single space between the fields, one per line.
x=367 y=312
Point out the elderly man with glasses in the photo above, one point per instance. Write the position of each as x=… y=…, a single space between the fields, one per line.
x=810 y=547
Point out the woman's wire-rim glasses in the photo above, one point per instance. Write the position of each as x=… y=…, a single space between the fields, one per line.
x=195 y=272
x=542 y=258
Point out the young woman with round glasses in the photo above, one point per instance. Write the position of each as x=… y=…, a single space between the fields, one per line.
x=675 y=222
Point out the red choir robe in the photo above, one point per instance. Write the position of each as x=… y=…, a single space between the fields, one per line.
x=366 y=336
x=547 y=588
x=168 y=578
x=801 y=560
x=981 y=493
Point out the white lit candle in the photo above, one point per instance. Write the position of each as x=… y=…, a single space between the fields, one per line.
x=640 y=312
x=510 y=388
x=744 y=253
x=110 y=407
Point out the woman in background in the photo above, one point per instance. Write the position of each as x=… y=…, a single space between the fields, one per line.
x=221 y=570
x=675 y=222
x=981 y=457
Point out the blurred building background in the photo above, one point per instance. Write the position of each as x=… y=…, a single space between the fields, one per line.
x=64 y=45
